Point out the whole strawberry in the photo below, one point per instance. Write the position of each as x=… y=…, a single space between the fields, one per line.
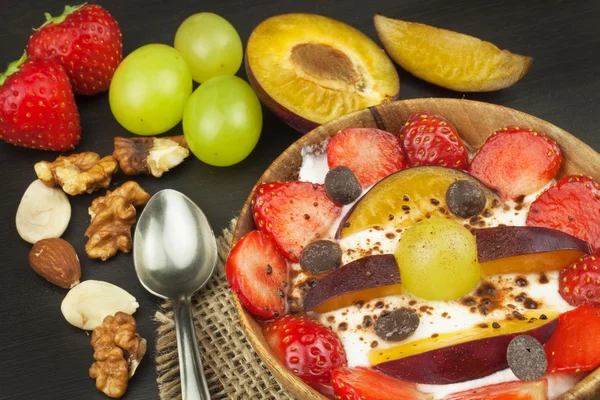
x=86 y=40
x=430 y=139
x=37 y=106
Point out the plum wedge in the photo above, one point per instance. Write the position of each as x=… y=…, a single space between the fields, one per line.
x=360 y=280
x=461 y=362
x=446 y=340
x=406 y=197
x=450 y=59
x=524 y=249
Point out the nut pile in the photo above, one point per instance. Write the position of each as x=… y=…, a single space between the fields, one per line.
x=43 y=216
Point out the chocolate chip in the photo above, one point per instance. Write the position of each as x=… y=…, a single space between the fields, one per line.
x=321 y=256
x=530 y=304
x=465 y=199
x=397 y=325
x=521 y=282
x=342 y=185
x=495 y=325
x=518 y=316
x=526 y=358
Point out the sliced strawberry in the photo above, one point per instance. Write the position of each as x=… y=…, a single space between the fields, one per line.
x=571 y=206
x=516 y=161
x=257 y=274
x=533 y=390
x=293 y=214
x=430 y=139
x=579 y=283
x=308 y=349
x=575 y=344
x=366 y=384
x=371 y=154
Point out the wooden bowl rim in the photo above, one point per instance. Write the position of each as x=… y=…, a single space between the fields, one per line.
x=587 y=388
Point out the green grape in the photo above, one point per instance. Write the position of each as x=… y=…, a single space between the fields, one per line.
x=438 y=259
x=149 y=90
x=210 y=45
x=222 y=121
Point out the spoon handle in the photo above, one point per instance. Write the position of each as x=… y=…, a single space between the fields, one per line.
x=193 y=381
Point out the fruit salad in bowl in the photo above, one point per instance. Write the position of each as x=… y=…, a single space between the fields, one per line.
x=425 y=249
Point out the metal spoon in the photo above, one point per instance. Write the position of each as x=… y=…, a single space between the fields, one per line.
x=175 y=253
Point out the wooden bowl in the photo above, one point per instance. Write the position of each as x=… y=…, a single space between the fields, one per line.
x=475 y=121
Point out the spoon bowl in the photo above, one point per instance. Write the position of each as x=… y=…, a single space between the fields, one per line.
x=175 y=254
x=175 y=251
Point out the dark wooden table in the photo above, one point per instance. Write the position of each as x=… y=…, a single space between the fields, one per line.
x=42 y=356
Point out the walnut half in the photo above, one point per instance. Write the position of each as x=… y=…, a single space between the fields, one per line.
x=118 y=350
x=78 y=173
x=143 y=155
x=112 y=218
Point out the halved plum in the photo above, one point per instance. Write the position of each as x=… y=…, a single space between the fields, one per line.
x=462 y=362
x=406 y=197
x=525 y=249
x=361 y=280
x=303 y=71
x=444 y=340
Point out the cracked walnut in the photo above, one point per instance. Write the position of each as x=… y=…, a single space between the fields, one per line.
x=78 y=173
x=118 y=350
x=112 y=218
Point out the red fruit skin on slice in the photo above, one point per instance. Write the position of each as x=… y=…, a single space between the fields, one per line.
x=516 y=161
x=293 y=214
x=571 y=206
x=257 y=274
x=308 y=349
x=371 y=154
x=430 y=139
x=88 y=44
x=579 y=283
x=575 y=344
x=37 y=108
x=366 y=384
x=533 y=390
x=460 y=362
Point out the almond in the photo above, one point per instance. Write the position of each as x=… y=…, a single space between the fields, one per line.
x=87 y=304
x=56 y=260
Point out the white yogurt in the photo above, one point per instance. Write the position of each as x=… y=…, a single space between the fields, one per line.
x=314 y=165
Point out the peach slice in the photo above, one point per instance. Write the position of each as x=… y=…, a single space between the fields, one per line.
x=405 y=197
x=364 y=279
x=459 y=356
x=450 y=59
x=309 y=69
x=524 y=249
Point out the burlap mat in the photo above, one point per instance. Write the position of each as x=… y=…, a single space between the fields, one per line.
x=232 y=367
